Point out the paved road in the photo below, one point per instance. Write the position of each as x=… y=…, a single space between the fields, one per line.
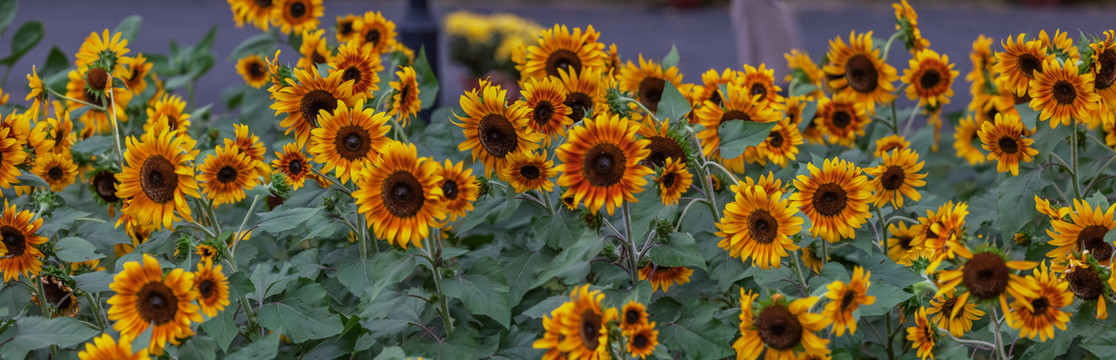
x=702 y=36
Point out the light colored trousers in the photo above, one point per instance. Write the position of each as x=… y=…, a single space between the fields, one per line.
x=765 y=30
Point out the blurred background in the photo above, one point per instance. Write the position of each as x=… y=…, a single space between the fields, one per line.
x=702 y=30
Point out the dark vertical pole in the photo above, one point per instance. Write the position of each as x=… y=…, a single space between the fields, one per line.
x=419 y=30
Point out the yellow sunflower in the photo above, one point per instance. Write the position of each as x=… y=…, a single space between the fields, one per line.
x=1086 y=282
x=459 y=189
x=138 y=68
x=856 y=70
x=226 y=174
x=897 y=176
x=1085 y=231
x=601 y=163
x=952 y=316
x=964 y=136
x=647 y=81
x=58 y=295
x=583 y=91
x=785 y=328
x=906 y=21
x=835 y=198
x=293 y=164
x=529 y=170
x=171 y=109
x=900 y=244
x=738 y=105
x=546 y=107
x=632 y=316
x=939 y=235
x=304 y=102
x=759 y=225
x=930 y=77
x=376 y=33
x=888 y=143
x=95 y=120
x=674 y=180
x=1060 y=45
x=255 y=12
x=584 y=325
x=560 y=50
x=296 y=15
x=781 y=144
x=1005 y=142
x=1103 y=68
x=1019 y=62
x=347 y=28
x=207 y=253
x=761 y=82
x=922 y=335
x=664 y=276
x=1061 y=94
x=58 y=170
x=137 y=233
x=250 y=145
x=37 y=92
x=1037 y=316
x=405 y=102
x=642 y=340
x=212 y=287
x=349 y=139
x=401 y=195
x=103 y=51
x=361 y=67
x=800 y=62
x=145 y=297
x=846 y=298
x=18 y=233
x=104 y=347
x=158 y=177
x=1043 y=206
x=493 y=129
x=987 y=276
x=313 y=51
x=811 y=259
x=842 y=119
x=664 y=144
x=711 y=81
x=552 y=335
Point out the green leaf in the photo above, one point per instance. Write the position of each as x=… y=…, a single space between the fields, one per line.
x=671 y=58
x=1028 y=115
x=222 y=328
x=1103 y=345
x=680 y=250
x=56 y=62
x=887 y=297
x=206 y=43
x=803 y=89
x=697 y=333
x=94 y=282
x=573 y=262
x=283 y=219
x=94 y=145
x=1098 y=200
x=739 y=135
x=372 y=276
x=26 y=37
x=1016 y=205
x=29 y=179
x=261 y=44
x=672 y=105
x=240 y=284
x=391 y=353
x=263 y=348
x=300 y=323
x=35 y=332
x=129 y=28
x=75 y=249
x=427 y=82
x=9 y=13
x=484 y=291
x=199 y=348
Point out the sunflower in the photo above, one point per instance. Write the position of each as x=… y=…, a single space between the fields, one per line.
x=552 y=335
x=888 y=143
x=250 y=145
x=493 y=130
x=546 y=105
x=664 y=276
x=814 y=132
x=1037 y=316
x=987 y=276
x=1061 y=94
x=584 y=325
x=293 y=164
x=952 y=316
x=59 y=171
x=1103 y=68
x=346 y=28
x=405 y=102
x=759 y=225
x=583 y=91
x=11 y=154
x=781 y=144
x=1061 y=45
x=400 y=195
x=144 y=296
x=560 y=50
x=172 y=107
x=803 y=68
x=842 y=118
x=1005 y=142
x=906 y=21
x=897 y=176
x=761 y=82
x=642 y=340
x=459 y=189
x=785 y=328
x=207 y=253
x=601 y=163
x=835 y=198
x=58 y=295
x=255 y=12
x=349 y=139
x=900 y=244
x=632 y=316
x=138 y=68
x=939 y=235
x=528 y=171
x=674 y=180
x=95 y=120
x=157 y=177
x=846 y=298
x=377 y=34
x=856 y=70
x=922 y=335
x=711 y=81
x=37 y=91
x=212 y=288
x=1043 y=206
x=104 y=347
x=138 y=234
x=738 y=105
x=647 y=80
x=314 y=51
x=1086 y=282
x=18 y=233
x=304 y=102
x=1085 y=232
x=296 y=15
x=665 y=143
x=811 y=259
x=226 y=174
x=103 y=51
x=1019 y=62
x=964 y=134
x=930 y=78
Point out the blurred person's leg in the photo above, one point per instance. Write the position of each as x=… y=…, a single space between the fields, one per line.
x=765 y=30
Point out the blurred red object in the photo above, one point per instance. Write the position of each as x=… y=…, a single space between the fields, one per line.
x=687 y=3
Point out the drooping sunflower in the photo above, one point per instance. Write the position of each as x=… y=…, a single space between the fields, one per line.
x=888 y=143
x=157 y=177
x=674 y=180
x=137 y=233
x=144 y=297
x=400 y=195
x=19 y=235
x=459 y=189
x=906 y=21
x=296 y=16
x=1085 y=232
x=939 y=235
x=642 y=340
x=842 y=119
x=761 y=82
x=313 y=51
x=1019 y=62
x=37 y=93
x=987 y=276
x=103 y=51
x=1086 y=282
x=1005 y=142
x=835 y=198
x=136 y=78
x=632 y=316
x=361 y=67
x=1039 y=315
x=846 y=298
x=900 y=247
x=560 y=50
x=405 y=102
x=546 y=107
x=349 y=139
x=377 y=34
x=922 y=335
x=529 y=170
x=58 y=170
x=583 y=91
x=930 y=77
x=255 y=12
x=60 y=297
x=647 y=81
x=226 y=174
x=104 y=347
x=584 y=325
x=803 y=68
x=664 y=276
x=170 y=109
x=737 y=105
x=94 y=120
x=493 y=129
x=897 y=176
x=953 y=316
x=347 y=28
x=1043 y=207
x=781 y=144
x=758 y=224
x=1104 y=68
x=856 y=69
x=785 y=328
x=212 y=287
x=293 y=164
x=964 y=136
x=601 y=163
x=1061 y=94
x=811 y=259
x=304 y=102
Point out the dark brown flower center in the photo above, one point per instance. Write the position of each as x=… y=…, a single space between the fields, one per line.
x=345 y=28
x=56 y=293
x=402 y=194
x=156 y=303
x=1064 y=92
x=529 y=172
x=905 y=242
x=13 y=240
x=1008 y=144
x=663 y=147
x=564 y=60
x=778 y=328
x=55 y=173
x=1028 y=64
x=256 y=70
x=732 y=115
x=1091 y=238
x=104 y=183
x=317 y=58
x=668 y=179
x=861 y=74
x=97 y=78
x=830 y=199
x=352 y=142
x=373 y=37
x=590 y=329
x=1107 y=73
x=1085 y=283
x=640 y=341
x=351 y=73
x=579 y=103
x=543 y=113
x=651 y=91
x=294 y=167
x=893 y=177
x=226 y=175
x=94 y=99
x=205 y=288
x=847 y=299
x=404 y=93
x=497 y=135
x=716 y=97
x=298 y=9
x=759 y=89
x=1040 y=305
x=947 y=307
x=763 y=227
x=841 y=119
x=449 y=189
x=632 y=317
x=775 y=139
x=929 y=79
x=604 y=165
x=986 y=275
x=315 y=101
x=158 y=180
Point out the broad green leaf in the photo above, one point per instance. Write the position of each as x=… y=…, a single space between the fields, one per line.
x=75 y=249
x=372 y=276
x=1016 y=205
x=545 y=306
x=264 y=348
x=739 y=135
x=198 y=348
x=697 y=333
x=803 y=89
x=94 y=282
x=9 y=13
x=1028 y=115
x=483 y=291
x=29 y=179
x=671 y=58
x=1097 y=200
x=1102 y=345
x=427 y=82
x=62 y=218
x=461 y=345
x=887 y=297
x=129 y=28
x=283 y=219
x=573 y=262
x=222 y=328
x=261 y=44
x=33 y=332
x=26 y=37
x=240 y=285
x=391 y=353
x=94 y=145
x=56 y=62
x=679 y=250
x=672 y=105
x=301 y=323
x=521 y=268
x=392 y=314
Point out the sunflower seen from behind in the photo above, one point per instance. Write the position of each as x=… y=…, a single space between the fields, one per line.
x=493 y=129
x=303 y=103
x=601 y=163
x=19 y=234
x=400 y=195
x=1038 y=316
x=212 y=287
x=785 y=329
x=226 y=174
x=546 y=108
x=759 y=225
x=157 y=177
x=1062 y=95
x=1004 y=140
x=405 y=102
x=349 y=139
x=105 y=51
x=145 y=297
x=856 y=69
x=104 y=347
x=896 y=177
x=296 y=16
x=844 y=298
x=835 y=198
x=906 y=21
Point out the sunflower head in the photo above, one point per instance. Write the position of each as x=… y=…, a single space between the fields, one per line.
x=104 y=347
x=459 y=189
x=601 y=163
x=401 y=195
x=212 y=288
x=157 y=178
x=930 y=77
x=674 y=180
x=349 y=138
x=922 y=335
x=493 y=130
x=376 y=33
x=647 y=80
x=759 y=225
x=559 y=50
x=896 y=177
x=58 y=170
x=845 y=298
x=1019 y=63
x=665 y=276
x=1005 y=141
x=405 y=99
x=786 y=329
x=856 y=69
x=584 y=324
x=1062 y=95
x=146 y=298
x=296 y=16
x=835 y=198
x=642 y=340
x=546 y=105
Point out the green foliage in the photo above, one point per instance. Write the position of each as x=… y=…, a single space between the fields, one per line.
x=739 y=135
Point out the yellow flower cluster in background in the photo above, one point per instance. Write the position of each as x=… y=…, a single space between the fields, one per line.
x=484 y=43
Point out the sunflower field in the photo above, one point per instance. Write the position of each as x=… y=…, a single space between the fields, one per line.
x=608 y=209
